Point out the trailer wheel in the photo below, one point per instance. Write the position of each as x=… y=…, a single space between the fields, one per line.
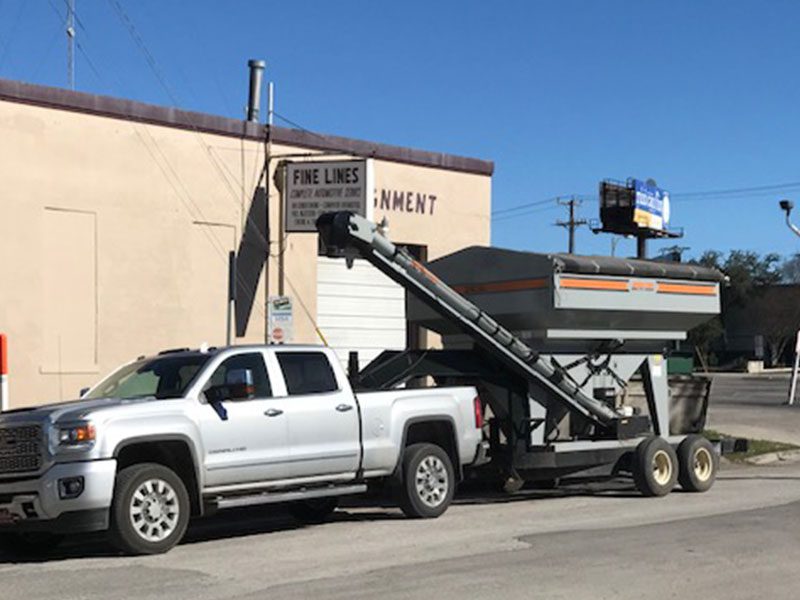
x=655 y=467
x=698 y=464
x=428 y=481
x=315 y=510
x=150 y=510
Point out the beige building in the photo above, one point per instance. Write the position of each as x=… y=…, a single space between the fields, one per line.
x=118 y=217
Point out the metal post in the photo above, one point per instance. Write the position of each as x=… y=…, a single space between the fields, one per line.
x=4 y=403
x=270 y=102
x=267 y=194
x=793 y=384
x=231 y=296
x=641 y=246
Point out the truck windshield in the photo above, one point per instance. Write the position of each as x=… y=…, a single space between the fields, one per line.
x=161 y=377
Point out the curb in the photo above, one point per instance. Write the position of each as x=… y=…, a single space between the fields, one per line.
x=771 y=458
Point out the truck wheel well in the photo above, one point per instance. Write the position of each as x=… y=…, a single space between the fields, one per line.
x=174 y=455
x=440 y=433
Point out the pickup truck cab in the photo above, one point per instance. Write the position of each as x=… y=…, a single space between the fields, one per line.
x=172 y=436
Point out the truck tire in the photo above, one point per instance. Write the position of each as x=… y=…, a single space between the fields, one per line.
x=428 y=481
x=655 y=467
x=33 y=543
x=697 y=464
x=315 y=510
x=150 y=511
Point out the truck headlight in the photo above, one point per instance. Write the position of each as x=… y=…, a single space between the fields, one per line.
x=76 y=436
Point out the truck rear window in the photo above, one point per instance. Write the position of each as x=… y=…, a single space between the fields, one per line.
x=307 y=373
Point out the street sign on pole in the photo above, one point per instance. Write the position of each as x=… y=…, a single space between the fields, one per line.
x=280 y=320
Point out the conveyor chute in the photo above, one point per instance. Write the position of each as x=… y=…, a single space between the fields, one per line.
x=347 y=233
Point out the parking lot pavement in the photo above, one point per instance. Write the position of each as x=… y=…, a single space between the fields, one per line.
x=754 y=406
x=740 y=540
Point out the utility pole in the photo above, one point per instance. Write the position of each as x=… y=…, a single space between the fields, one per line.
x=71 y=44
x=572 y=224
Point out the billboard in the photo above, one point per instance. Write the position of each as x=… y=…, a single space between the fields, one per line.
x=651 y=206
x=314 y=188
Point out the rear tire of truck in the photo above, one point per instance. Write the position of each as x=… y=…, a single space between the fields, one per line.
x=34 y=543
x=150 y=511
x=655 y=467
x=697 y=464
x=316 y=510
x=428 y=481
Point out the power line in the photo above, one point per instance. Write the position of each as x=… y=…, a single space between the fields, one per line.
x=522 y=206
x=526 y=213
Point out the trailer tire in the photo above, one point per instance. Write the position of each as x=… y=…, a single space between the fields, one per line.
x=315 y=510
x=154 y=496
x=697 y=464
x=655 y=467
x=428 y=481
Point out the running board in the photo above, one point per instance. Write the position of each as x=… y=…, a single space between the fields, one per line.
x=301 y=494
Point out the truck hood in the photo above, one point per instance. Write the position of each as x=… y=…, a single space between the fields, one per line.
x=74 y=410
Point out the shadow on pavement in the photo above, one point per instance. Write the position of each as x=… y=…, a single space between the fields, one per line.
x=259 y=520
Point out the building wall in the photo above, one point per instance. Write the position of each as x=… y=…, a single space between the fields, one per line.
x=115 y=232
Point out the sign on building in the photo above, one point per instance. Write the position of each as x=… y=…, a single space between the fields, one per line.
x=280 y=319
x=314 y=188
x=651 y=208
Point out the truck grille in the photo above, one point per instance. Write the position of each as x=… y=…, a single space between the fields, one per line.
x=20 y=449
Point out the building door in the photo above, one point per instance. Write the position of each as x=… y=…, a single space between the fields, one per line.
x=359 y=309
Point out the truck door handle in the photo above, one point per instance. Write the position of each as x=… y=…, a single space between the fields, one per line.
x=273 y=412
x=344 y=407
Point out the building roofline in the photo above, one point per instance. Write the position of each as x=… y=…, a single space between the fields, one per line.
x=129 y=110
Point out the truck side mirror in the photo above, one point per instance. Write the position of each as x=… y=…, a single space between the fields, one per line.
x=83 y=392
x=238 y=386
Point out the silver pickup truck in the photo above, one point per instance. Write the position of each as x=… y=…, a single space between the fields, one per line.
x=187 y=432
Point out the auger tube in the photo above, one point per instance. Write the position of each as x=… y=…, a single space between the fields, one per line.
x=345 y=232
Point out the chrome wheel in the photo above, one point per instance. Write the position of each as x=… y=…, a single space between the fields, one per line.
x=154 y=510
x=703 y=464
x=432 y=482
x=662 y=467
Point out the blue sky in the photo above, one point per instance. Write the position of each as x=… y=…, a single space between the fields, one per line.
x=701 y=96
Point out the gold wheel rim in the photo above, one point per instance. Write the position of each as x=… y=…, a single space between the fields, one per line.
x=702 y=464
x=662 y=467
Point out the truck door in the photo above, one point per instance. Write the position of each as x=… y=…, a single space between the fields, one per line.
x=324 y=438
x=245 y=440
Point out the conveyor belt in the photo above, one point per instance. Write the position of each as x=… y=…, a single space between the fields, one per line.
x=344 y=232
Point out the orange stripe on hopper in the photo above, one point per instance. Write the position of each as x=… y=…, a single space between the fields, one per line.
x=686 y=288
x=501 y=286
x=614 y=285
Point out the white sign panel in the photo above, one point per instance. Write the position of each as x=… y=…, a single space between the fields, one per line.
x=314 y=188
x=280 y=319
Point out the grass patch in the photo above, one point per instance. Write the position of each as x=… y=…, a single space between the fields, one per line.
x=755 y=447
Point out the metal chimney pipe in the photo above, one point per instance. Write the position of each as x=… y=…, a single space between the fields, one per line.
x=254 y=98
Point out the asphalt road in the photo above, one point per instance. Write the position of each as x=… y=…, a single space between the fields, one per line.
x=740 y=540
x=754 y=406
